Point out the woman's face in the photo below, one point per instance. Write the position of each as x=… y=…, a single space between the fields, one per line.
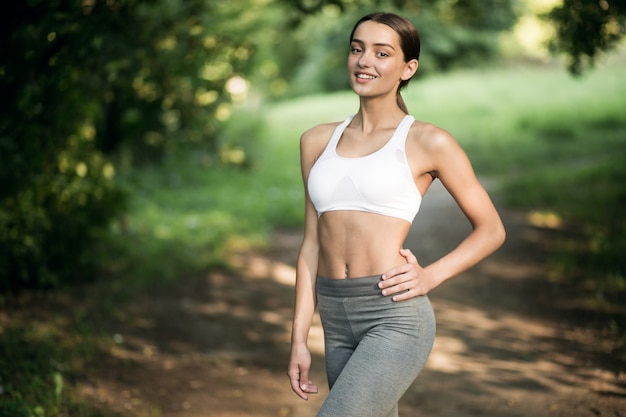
x=376 y=61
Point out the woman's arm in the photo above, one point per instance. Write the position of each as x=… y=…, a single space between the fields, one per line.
x=454 y=170
x=306 y=273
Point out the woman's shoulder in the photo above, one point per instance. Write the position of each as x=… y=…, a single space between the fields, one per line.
x=319 y=134
x=430 y=136
x=314 y=141
x=321 y=129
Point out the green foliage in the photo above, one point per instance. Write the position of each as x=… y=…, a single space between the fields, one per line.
x=586 y=28
x=82 y=81
x=190 y=211
x=465 y=31
x=92 y=89
x=133 y=70
x=47 y=229
x=453 y=34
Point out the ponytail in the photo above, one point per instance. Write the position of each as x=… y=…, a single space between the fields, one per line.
x=399 y=99
x=401 y=102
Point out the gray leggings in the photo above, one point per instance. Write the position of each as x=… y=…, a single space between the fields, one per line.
x=375 y=348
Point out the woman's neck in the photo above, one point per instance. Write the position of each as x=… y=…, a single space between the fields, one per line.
x=377 y=114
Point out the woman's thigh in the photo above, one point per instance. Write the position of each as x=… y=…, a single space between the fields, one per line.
x=394 y=341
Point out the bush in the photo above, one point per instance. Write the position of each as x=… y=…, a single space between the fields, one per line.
x=47 y=229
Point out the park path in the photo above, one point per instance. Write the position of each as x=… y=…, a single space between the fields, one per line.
x=510 y=343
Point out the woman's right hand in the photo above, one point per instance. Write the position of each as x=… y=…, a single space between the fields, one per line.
x=298 y=372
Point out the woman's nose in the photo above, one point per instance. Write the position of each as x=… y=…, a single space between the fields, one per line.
x=364 y=60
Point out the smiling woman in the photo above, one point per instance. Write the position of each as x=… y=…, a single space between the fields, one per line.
x=380 y=41
x=364 y=182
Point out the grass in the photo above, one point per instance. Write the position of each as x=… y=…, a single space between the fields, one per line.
x=557 y=145
x=40 y=356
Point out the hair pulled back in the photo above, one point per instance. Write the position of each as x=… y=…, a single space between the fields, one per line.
x=409 y=41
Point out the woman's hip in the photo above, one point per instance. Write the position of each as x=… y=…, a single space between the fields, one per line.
x=359 y=304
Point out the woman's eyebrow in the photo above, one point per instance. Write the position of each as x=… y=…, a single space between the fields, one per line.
x=376 y=44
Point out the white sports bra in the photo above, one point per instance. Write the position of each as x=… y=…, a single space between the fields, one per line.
x=380 y=183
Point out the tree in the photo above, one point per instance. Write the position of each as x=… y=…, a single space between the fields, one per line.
x=454 y=33
x=585 y=28
x=81 y=80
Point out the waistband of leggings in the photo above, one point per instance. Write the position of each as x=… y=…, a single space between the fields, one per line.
x=348 y=287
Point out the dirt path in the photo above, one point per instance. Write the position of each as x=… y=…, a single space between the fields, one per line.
x=508 y=342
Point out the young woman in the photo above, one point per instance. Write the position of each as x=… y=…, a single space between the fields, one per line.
x=364 y=181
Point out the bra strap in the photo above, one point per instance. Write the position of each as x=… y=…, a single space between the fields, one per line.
x=338 y=132
x=402 y=131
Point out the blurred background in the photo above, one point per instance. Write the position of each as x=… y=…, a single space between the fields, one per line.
x=143 y=143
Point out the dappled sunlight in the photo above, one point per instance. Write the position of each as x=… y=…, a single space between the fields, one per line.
x=491 y=358
x=499 y=346
x=531 y=33
x=230 y=333
x=444 y=355
x=510 y=270
x=470 y=340
x=549 y=220
x=220 y=344
x=260 y=267
x=237 y=87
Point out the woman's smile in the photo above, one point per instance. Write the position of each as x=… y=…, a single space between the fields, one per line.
x=363 y=77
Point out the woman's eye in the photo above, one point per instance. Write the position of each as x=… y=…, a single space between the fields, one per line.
x=355 y=50
x=383 y=54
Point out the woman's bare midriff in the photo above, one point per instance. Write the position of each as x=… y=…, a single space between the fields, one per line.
x=352 y=244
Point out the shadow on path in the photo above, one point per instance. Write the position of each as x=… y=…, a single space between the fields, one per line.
x=505 y=346
x=218 y=345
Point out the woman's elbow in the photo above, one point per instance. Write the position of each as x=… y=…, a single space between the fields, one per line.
x=493 y=234
x=498 y=234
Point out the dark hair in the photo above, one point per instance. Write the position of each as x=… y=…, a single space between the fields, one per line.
x=409 y=41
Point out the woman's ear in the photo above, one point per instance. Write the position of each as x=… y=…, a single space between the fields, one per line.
x=410 y=69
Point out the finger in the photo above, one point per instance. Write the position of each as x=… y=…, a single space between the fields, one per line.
x=304 y=380
x=395 y=271
x=294 y=379
x=406 y=291
x=408 y=255
x=397 y=289
x=312 y=388
x=402 y=296
x=411 y=261
x=402 y=291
